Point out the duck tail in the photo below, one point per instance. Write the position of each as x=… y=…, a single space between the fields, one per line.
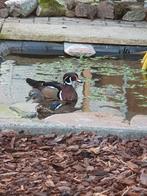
x=34 y=83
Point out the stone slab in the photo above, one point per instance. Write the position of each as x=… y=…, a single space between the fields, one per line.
x=74 y=33
x=102 y=123
x=40 y=127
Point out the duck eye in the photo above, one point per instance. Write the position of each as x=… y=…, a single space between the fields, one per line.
x=68 y=79
x=74 y=78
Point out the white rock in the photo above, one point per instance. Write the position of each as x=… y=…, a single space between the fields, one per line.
x=78 y=50
x=21 y=7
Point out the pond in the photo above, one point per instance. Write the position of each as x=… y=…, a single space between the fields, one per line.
x=110 y=85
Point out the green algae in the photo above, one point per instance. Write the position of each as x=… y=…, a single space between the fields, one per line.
x=51 y=8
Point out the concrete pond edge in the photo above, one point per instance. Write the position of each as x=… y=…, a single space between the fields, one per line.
x=52 y=48
x=34 y=128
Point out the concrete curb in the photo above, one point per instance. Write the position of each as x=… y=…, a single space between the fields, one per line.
x=73 y=30
x=34 y=127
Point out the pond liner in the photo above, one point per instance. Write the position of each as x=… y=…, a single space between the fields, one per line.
x=33 y=48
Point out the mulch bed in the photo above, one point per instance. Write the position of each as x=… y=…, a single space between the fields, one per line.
x=81 y=164
x=2 y=5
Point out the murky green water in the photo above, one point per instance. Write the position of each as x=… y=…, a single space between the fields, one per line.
x=115 y=86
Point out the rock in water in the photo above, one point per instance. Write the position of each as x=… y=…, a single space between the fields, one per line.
x=78 y=50
x=50 y=8
x=134 y=15
x=24 y=110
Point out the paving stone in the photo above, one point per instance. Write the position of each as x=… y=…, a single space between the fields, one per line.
x=26 y=20
x=12 y=19
x=41 y=20
x=75 y=33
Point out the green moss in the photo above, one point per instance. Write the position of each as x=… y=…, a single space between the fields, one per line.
x=2 y=36
x=51 y=8
x=6 y=112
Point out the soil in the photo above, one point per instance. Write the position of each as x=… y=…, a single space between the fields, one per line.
x=80 y=164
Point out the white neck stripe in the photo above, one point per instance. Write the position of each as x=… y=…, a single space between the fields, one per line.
x=60 y=95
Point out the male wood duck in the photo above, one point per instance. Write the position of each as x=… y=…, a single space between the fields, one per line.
x=46 y=92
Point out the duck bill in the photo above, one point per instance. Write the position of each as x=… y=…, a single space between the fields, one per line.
x=79 y=81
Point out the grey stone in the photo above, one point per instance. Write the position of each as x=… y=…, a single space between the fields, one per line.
x=25 y=110
x=134 y=15
x=4 y=13
x=77 y=50
x=86 y=10
x=106 y=10
x=139 y=121
x=120 y=9
x=70 y=4
x=70 y=13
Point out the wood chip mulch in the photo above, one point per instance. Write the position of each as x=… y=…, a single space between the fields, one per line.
x=2 y=4
x=81 y=164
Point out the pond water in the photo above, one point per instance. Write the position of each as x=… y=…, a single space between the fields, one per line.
x=112 y=85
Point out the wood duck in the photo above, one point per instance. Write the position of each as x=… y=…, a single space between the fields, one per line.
x=46 y=92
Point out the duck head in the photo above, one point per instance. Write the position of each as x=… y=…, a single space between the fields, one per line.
x=71 y=78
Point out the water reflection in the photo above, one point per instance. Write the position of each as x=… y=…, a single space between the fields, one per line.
x=44 y=111
x=86 y=90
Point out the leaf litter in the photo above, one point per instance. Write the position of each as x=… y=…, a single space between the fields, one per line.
x=75 y=164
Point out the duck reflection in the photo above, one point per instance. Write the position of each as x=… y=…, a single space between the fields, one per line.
x=54 y=107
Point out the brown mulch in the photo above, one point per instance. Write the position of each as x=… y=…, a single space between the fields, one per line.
x=81 y=164
x=2 y=5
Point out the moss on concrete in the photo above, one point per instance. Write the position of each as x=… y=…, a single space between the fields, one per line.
x=5 y=112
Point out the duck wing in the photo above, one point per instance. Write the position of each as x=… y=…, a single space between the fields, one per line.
x=40 y=84
x=34 y=83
